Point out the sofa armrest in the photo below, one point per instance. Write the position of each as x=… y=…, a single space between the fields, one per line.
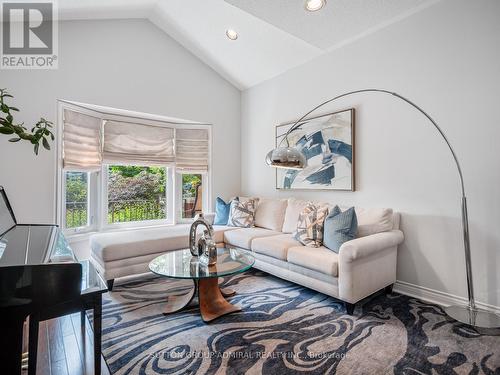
x=362 y=247
x=368 y=264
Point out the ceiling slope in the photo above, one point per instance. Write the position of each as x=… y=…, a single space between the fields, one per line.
x=338 y=21
x=274 y=35
x=260 y=52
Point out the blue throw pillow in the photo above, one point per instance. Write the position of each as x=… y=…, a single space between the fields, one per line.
x=339 y=227
x=221 y=211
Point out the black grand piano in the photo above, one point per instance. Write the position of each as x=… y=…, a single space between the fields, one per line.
x=40 y=278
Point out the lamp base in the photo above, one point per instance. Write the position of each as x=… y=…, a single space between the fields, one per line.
x=473 y=317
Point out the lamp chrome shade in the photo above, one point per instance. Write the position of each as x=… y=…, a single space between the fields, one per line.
x=286 y=157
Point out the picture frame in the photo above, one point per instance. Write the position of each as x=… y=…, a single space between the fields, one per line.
x=328 y=141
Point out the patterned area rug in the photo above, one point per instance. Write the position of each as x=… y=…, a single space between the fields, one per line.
x=287 y=329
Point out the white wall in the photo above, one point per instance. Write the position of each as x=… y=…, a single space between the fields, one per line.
x=128 y=64
x=447 y=59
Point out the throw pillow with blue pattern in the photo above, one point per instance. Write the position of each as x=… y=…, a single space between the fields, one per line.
x=339 y=227
x=310 y=225
x=222 y=211
x=242 y=214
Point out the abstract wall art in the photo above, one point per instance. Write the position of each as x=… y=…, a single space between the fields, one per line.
x=327 y=141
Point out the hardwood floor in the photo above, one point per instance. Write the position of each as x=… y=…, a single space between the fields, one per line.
x=64 y=348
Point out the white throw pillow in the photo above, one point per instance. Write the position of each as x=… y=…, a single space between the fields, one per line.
x=270 y=213
x=293 y=210
x=373 y=220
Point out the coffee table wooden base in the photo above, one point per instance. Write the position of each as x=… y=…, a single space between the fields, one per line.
x=212 y=302
x=210 y=298
x=177 y=303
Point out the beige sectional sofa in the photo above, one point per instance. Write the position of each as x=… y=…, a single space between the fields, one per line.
x=362 y=267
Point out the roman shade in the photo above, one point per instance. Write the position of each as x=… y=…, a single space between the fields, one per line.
x=133 y=143
x=81 y=142
x=192 y=148
x=91 y=141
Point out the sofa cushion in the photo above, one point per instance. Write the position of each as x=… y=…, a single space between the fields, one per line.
x=270 y=213
x=274 y=246
x=127 y=244
x=242 y=213
x=219 y=231
x=242 y=237
x=339 y=227
x=374 y=220
x=318 y=259
x=293 y=210
x=310 y=225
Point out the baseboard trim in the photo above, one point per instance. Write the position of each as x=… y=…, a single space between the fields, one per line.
x=437 y=297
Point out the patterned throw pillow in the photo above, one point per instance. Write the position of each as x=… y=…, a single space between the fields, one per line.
x=242 y=214
x=339 y=227
x=310 y=225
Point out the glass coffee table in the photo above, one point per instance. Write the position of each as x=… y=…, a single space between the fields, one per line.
x=180 y=264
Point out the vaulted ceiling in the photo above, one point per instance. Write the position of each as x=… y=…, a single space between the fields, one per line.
x=273 y=35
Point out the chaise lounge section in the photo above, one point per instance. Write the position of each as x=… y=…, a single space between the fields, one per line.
x=125 y=253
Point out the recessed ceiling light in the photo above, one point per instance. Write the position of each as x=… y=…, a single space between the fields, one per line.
x=314 y=5
x=231 y=34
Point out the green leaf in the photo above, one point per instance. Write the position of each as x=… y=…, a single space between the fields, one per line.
x=4 y=108
x=14 y=139
x=9 y=118
x=45 y=143
x=14 y=109
x=52 y=136
x=6 y=130
x=37 y=146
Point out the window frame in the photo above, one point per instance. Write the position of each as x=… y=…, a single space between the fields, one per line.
x=178 y=194
x=91 y=204
x=98 y=183
x=105 y=225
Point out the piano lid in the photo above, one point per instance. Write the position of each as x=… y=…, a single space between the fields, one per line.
x=32 y=245
x=7 y=219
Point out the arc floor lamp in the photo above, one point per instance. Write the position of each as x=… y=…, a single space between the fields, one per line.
x=292 y=158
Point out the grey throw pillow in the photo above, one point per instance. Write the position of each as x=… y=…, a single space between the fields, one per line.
x=339 y=227
x=242 y=214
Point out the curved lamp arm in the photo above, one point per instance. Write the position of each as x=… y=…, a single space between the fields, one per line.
x=467 y=314
x=298 y=124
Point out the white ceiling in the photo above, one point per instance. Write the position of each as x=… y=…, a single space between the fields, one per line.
x=338 y=21
x=274 y=35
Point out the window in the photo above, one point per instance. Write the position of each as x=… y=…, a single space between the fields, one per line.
x=192 y=195
x=136 y=194
x=120 y=171
x=77 y=199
